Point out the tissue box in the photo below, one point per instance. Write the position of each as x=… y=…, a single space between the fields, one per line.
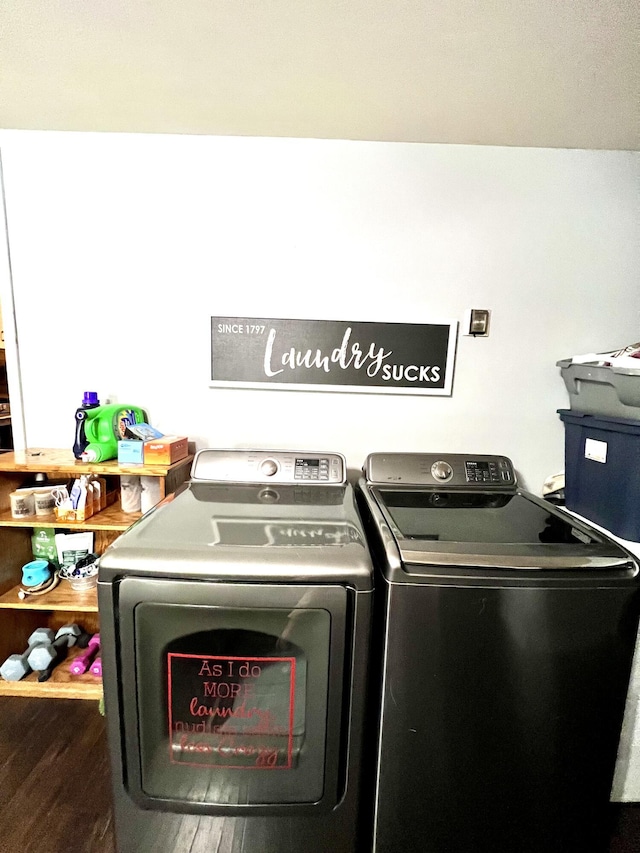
x=130 y=452
x=165 y=450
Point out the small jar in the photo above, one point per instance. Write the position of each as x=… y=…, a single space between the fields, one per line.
x=23 y=504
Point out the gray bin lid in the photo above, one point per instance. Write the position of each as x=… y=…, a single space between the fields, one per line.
x=600 y=389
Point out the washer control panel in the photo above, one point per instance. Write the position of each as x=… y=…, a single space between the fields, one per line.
x=268 y=466
x=453 y=470
x=489 y=470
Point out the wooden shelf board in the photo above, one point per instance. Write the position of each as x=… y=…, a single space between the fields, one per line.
x=56 y=460
x=52 y=689
x=111 y=518
x=63 y=597
x=61 y=685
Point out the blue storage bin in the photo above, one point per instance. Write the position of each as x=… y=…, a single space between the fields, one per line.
x=602 y=471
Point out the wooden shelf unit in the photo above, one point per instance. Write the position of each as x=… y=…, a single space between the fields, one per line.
x=63 y=605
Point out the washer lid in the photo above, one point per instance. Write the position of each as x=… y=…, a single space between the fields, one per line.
x=247 y=531
x=483 y=528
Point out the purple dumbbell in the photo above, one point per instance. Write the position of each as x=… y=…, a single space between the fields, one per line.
x=96 y=667
x=82 y=663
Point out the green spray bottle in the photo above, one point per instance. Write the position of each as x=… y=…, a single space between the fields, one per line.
x=99 y=428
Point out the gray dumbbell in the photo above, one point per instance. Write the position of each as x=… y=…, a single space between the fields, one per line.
x=42 y=656
x=17 y=666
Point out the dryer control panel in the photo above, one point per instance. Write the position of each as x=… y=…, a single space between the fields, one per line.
x=452 y=470
x=268 y=466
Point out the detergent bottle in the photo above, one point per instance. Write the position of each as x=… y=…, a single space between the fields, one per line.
x=99 y=428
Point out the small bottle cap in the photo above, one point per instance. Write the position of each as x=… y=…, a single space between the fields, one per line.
x=90 y=398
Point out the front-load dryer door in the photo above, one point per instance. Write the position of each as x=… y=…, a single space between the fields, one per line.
x=232 y=694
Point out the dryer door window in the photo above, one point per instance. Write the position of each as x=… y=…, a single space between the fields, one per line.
x=234 y=704
x=234 y=710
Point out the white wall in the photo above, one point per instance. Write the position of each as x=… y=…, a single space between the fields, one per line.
x=554 y=73
x=123 y=246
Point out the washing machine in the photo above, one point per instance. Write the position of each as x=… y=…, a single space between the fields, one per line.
x=507 y=630
x=235 y=625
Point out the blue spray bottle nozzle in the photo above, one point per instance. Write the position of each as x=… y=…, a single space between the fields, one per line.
x=90 y=399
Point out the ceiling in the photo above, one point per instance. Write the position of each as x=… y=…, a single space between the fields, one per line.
x=543 y=73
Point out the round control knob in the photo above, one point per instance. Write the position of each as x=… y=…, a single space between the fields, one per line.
x=268 y=467
x=441 y=471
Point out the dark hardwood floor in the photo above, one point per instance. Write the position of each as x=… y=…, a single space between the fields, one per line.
x=55 y=794
x=625 y=834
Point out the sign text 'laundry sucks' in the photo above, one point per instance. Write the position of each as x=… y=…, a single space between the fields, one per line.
x=331 y=355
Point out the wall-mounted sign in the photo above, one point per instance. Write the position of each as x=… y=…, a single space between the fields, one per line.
x=333 y=355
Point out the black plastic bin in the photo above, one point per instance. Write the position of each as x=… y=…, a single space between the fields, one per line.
x=602 y=471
